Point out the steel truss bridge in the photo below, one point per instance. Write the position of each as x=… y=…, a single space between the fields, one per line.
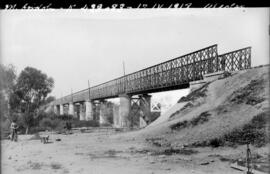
x=172 y=74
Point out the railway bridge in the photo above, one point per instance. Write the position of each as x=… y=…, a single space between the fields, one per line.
x=177 y=73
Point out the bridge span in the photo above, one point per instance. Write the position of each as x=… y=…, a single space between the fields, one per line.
x=173 y=74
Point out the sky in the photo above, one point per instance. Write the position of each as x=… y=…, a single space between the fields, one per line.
x=74 y=46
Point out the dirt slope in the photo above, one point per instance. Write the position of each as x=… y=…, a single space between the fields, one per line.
x=214 y=110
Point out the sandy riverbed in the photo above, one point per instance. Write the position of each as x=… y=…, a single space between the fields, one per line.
x=103 y=152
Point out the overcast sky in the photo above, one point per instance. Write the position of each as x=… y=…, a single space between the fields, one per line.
x=75 y=46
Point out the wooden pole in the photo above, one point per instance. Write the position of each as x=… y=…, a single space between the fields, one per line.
x=124 y=68
x=89 y=89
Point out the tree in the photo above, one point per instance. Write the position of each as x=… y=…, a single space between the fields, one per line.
x=30 y=93
x=49 y=100
x=7 y=81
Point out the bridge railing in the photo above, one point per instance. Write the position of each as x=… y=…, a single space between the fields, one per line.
x=180 y=70
x=173 y=72
x=235 y=60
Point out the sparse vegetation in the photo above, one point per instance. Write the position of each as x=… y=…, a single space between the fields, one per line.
x=180 y=125
x=167 y=151
x=188 y=105
x=51 y=122
x=183 y=151
x=203 y=117
x=216 y=142
x=35 y=165
x=249 y=93
x=158 y=142
x=224 y=159
x=200 y=92
x=254 y=133
x=56 y=166
x=84 y=123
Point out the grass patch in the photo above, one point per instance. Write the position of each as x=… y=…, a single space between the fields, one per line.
x=253 y=133
x=188 y=105
x=202 y=118
x=167 y=151
x=223 y=159
x=56 y=166
x=35 y=166
x=249 y=93
x=58 y=124
x=111 y=153
x=158 y=142
x=200 y=92
x=180 y=125
x=180 y=151
x=84 y=123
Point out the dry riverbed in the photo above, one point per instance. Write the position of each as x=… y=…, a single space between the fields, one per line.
x=105 y=152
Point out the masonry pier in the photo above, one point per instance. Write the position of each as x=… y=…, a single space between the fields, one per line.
x=124 y=110
x=71 y=108
x=88 y=110
x=103 y=112
x=82 y=111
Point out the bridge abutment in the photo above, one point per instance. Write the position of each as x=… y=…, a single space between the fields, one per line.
x=206 y=78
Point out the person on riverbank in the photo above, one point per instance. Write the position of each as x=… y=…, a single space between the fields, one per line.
x=13 y=128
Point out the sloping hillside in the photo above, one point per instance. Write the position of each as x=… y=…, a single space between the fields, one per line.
x=214 y=111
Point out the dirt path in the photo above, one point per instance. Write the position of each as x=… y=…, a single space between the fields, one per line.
x=100 y=152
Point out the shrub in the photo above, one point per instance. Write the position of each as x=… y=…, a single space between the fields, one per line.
x=34 y=130
x=200 y=92
x=84 y=123
x=216 y=142
x=66 y=117
x=253 y=132
x=46 y=123
x=50 y=124
x=179 y=125
x=249 y=93
x=203 y=117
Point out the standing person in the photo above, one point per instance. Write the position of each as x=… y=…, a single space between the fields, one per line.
x=68 y=127
x=14 y=127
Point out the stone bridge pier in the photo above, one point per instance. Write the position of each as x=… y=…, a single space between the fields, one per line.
x=61 y=109
x=103 y=113
x=124 y=111
x=122 y=115
x=56 y=109
x=81 y=111
x=71 y=109
x=88 y=110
